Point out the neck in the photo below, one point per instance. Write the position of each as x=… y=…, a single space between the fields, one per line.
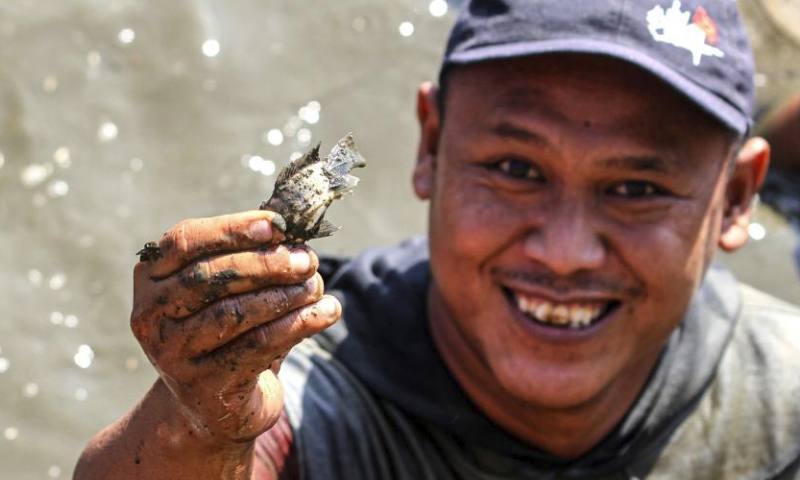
x=567 y=433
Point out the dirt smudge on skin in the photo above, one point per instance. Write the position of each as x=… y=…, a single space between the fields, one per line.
x=225 y=276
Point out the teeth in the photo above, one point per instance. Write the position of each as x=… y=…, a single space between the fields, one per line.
x=560 y=315
x=543 y=311
x=573 y=315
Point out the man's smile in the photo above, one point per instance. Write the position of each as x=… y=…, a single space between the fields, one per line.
x=577 y=314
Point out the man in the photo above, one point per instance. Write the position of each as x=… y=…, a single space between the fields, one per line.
x=562 y=320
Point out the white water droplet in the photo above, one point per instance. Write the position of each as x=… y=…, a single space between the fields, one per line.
x=108 y=131
x=359 y=24
x=211 y=47
x=35 y=277
x=131 y=364
x=274 y=137
x=54 y=471
x=62 y=157
x=2 y=159
x=756 y=231
x=304 y=137
x=81 y=394
x=57 y=188
x=437 y=8
x=406 y=29
x=50 y=84
x=56 y=318
x=11 y=433
x=71 y=321
x=4 y=364
x=261 y=165
x=57 y=281
x=84 y=356
x=126 y=36
x=309 y=115
x=34 y=174
x=30 y=390
x=93 y=58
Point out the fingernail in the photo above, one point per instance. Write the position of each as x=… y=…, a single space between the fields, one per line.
x=261 y=231
x=328 y=306
x=300 y=261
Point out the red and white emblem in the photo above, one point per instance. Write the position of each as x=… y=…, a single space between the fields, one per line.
x=698 y=35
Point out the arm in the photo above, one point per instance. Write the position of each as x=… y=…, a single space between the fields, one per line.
x=215 y=315
x=783 y=134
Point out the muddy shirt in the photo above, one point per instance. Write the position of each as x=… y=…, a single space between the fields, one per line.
x=370 y=398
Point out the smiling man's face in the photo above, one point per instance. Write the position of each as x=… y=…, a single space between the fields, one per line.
x=576 y=203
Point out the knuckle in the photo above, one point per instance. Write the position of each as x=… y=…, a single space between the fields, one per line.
x=231 y=310
x=196 y=274
x=275 y=262
x=177 y=239
x=281 y=301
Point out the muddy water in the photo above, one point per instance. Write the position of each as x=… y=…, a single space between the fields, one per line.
x=119 y=117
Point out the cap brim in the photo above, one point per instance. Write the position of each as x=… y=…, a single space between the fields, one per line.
x=709 y=102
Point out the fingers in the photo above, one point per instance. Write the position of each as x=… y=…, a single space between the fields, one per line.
x=228 y=319
x=193 y=239
x=205 y=281
x=256 y=349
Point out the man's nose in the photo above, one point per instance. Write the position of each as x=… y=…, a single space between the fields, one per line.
x=566 y=240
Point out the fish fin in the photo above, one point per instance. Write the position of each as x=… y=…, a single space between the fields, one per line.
x=295 y=166
x=343 y=185
x=323 y=229
x=344 y=157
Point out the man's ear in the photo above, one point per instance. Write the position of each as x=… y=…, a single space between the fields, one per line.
x=745 y=181
x=429 y=122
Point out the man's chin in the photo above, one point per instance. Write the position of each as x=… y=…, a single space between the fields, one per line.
x=557 y=387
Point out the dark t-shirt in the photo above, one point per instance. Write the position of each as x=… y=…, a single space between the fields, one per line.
x=370 y=398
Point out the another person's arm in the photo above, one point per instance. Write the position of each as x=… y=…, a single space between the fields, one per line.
x=215 y=315
x=782 y=131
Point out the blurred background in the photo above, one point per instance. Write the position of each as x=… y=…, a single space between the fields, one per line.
x=119 y=118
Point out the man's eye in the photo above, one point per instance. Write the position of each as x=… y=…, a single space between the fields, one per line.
x=634 y=188
x=518 y=169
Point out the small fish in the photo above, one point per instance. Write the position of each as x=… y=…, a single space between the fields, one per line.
x=306 y=187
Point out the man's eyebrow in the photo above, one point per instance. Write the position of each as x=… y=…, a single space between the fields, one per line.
x=509 y=130
x=641 y=164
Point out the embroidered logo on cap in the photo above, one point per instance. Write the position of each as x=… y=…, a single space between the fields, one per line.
x=674 y=27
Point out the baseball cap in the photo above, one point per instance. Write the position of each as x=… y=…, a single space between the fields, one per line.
x=698 y=47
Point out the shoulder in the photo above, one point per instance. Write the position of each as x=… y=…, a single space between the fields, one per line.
x=336 y=382
x=747 y=423
x=766 y=316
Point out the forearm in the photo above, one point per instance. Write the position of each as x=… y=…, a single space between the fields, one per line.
x=783 y=134
x=155 y=441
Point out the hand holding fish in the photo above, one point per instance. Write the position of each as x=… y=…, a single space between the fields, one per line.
x=219 y=302
x=217 y=312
